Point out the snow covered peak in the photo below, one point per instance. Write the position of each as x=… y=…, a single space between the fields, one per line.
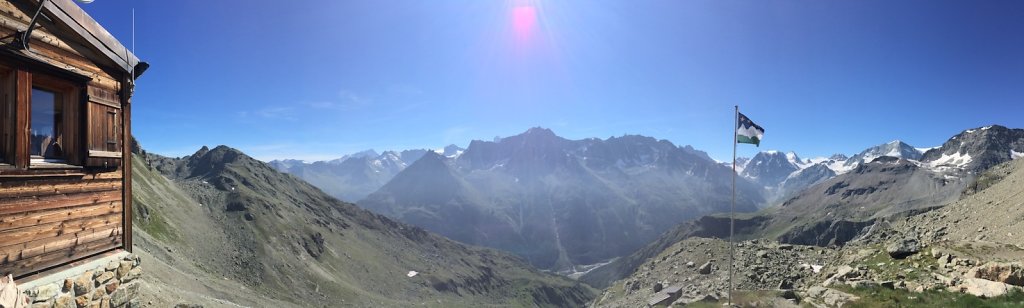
x=450 y=151
x=895 y=148
x=838 y=156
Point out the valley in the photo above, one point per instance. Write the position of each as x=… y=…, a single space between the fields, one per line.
x=222 y=229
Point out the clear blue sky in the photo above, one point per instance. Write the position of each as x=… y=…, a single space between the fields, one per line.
x=315 y=80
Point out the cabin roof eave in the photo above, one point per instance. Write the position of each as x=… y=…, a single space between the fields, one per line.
x=66 y=13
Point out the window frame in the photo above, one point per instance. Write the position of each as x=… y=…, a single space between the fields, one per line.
x=8 y=117
x=70 y=96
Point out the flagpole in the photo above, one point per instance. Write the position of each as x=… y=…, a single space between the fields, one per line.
x=732 y=208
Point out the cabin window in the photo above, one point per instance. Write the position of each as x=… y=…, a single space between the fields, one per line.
x=52 y=120
x=47 y=127
x=43 y=123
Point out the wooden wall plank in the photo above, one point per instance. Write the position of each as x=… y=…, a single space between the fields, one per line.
x=12 y=221
x=58 y=201
x=46 y=245
x=20 y=236
x=47 y=260
x=58 y=188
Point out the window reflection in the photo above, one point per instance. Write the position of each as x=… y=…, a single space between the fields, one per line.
x=47 y=122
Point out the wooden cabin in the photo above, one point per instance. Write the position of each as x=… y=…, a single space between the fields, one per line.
x=65 y=132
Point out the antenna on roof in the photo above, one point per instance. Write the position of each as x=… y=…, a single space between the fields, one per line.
x=133 y=44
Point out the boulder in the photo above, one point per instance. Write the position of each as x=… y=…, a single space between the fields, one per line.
x=705 y=269
x=835 y=298
x=831 y=297
x=984 y=288
x=903 y=248
x=1009 y=273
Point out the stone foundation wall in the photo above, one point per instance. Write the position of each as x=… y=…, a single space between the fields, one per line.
x=114 y=285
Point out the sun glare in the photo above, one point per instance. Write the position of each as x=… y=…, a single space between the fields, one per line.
x=524 y=22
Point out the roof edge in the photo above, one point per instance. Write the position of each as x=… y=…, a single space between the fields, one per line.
x=71 y=15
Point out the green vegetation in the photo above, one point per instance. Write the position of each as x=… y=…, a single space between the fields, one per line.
x=876 y=296
x=154 y=225
x=887 y=268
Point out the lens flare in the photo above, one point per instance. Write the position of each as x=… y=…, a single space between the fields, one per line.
x=524 y=22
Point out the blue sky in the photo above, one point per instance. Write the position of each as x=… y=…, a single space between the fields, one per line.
x=316 y=80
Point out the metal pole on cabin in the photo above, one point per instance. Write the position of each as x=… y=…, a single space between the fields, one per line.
x=732 y=208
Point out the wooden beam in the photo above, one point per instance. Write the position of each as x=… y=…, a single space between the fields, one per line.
x=105 y=154
x=126 y=160
x=22 y=114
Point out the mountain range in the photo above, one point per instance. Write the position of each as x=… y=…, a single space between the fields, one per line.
x=561 y=203
x=596 y=209
x=354 y=176
x=566 y=204
x=219 y=228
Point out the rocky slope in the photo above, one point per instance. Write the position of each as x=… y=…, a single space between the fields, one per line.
x=561 y=203
x=699 y=268
x=839 y=209
x=222 y=229
x=944 y=256
x=831 y=212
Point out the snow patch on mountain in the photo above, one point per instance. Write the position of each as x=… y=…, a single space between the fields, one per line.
x=957 y=159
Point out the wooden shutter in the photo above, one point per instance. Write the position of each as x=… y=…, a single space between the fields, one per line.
x=103 y=128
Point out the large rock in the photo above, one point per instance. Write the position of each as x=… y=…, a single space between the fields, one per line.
x=831 y=297
x=1009 y=273
x=984 y=288
x=705 y=269
x=903 y=247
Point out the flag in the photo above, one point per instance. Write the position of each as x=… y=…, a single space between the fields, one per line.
x=748 y=132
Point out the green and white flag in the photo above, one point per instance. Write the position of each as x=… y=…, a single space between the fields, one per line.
x=748 y=132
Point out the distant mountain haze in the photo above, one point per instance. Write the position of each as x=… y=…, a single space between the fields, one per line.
x=559 y=202
x=354 y=176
